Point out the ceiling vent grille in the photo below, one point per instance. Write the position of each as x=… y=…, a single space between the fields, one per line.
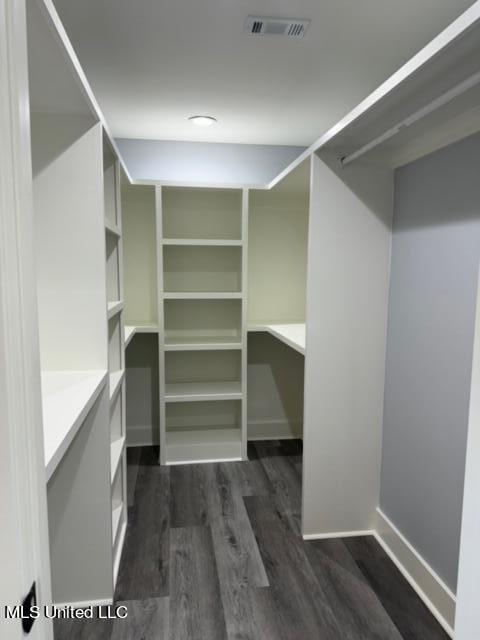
x=290 y=28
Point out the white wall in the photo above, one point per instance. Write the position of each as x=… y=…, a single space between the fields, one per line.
x=468 y=612
x=347 y=293
x=277 y=250
x=277 y=274
x=433 y=288
x=139 y=255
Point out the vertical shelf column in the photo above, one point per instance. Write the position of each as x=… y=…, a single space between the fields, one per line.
x=116 y=351
x=244 y=421
x=202 y=277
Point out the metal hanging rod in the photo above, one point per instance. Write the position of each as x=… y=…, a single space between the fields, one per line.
x=442 y=100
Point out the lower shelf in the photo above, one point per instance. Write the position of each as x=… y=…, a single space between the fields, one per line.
x=202 y=391
x=203 y=445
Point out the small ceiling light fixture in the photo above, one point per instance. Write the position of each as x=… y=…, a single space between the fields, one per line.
x=203 y=121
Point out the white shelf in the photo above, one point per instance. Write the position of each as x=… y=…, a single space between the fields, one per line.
x=196 y=295
x=114 y=308
x=292 y=335
x=189 y=242
x=201 y=343
x=203 y=445
x=131 y=330
x=129 y=333
x=116 y=518
x=116 y=379
x=111 y=227
x=116 y=451
x=203 y=391
x=67 y=397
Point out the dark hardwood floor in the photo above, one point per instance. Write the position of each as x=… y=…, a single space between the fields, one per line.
x=214 y=552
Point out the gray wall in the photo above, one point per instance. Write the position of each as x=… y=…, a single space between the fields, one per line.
x=205 y=162
x=435 y=261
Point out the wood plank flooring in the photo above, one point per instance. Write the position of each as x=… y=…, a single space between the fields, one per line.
x=214 y=552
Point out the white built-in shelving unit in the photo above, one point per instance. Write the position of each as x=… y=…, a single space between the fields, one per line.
x=78 y=254
x=202 y=262
x=116 y=348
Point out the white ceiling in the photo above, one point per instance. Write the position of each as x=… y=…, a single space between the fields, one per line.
x=154 y=63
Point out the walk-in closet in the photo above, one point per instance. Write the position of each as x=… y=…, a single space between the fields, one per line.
x=239 y=378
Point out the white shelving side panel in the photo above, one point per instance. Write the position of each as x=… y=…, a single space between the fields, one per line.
x=203 y=445
x=202 y=391
x=67 y=398
x=292 y=335
x=117 y=449
x=192 y=242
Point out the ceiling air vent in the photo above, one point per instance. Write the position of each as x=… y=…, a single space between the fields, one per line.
x=290 y=28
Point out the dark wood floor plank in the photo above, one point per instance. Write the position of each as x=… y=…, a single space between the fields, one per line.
x=188 y=507
x=144 y=566
x=357 y=609
x=285 y=480
x=84 y=629
x=236 y=550
x=196 y=610
x=301 y=605
x=239 y=563
x=250 y=478
x=407 y=611
x=147 y=620
x=133 y=462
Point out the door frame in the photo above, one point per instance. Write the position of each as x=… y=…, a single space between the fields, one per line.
x=24 y=549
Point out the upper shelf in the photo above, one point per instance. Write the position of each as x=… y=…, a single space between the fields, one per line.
x=192 y=242
x=131 y=330
x=67 y=398
x=208 y=295
x=431 y=101
x=292 y=335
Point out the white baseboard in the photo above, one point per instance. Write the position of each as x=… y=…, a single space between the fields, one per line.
x=422 y=578
x=116 y=560
x=83 y=605
x=141 y=436
x=274 y=430
x=337 y=534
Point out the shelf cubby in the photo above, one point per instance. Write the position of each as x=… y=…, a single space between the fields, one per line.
x=113 y=267
x=202 y=322
x=189 y=213
x=114 y=345
x=202 y=376
x=202 y=269
x=118 y=502
x=116 y=417
x=203 y=431
x=110 y=186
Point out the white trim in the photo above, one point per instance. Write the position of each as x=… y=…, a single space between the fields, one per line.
x=198 y=185
x=24 y=548
x=271 y=429
x=337 y=534
x=435 y=594
x=180 y=462
x=84 y=604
